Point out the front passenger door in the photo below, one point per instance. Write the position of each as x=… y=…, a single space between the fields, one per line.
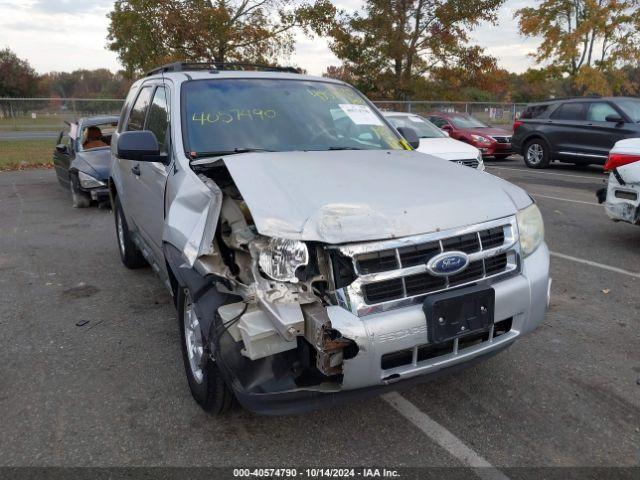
x=153 y=175
x=602 y=135
x=130 y=169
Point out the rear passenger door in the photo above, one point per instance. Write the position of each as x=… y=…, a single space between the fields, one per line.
x=602 y=135
x=568 y=123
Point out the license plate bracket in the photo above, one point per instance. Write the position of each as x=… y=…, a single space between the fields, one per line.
x=457 y=313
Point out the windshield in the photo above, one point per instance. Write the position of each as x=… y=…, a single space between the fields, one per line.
x=465 y=121
x=227 y=116
x=424 y=128
x=631 y=107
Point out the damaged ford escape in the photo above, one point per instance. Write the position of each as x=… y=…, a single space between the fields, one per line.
x=312 y=256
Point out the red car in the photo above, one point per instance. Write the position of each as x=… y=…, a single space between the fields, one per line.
x=492 y=141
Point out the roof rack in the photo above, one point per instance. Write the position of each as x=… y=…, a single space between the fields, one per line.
x=218 y=66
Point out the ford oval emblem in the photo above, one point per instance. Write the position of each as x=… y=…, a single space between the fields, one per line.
x=448 y=263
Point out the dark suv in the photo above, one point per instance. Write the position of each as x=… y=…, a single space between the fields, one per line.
x=578 y=130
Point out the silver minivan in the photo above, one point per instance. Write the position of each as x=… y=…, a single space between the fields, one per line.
x=311 y=254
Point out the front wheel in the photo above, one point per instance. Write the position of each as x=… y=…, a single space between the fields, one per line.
x=537 y=154
x=205 y=382
x=79 y=199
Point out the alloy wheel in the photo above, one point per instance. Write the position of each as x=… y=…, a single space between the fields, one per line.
x=535 y=153
x=193 y=339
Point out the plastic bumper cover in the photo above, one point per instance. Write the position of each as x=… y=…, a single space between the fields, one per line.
x=523 y=298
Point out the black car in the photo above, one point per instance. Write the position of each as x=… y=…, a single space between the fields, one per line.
x=576 y=130
x=82 y=159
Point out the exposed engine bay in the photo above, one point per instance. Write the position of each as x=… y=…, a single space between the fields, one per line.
x=277 y=336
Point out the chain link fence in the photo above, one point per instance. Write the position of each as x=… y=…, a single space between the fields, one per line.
x=494 y=113
x=50 y=114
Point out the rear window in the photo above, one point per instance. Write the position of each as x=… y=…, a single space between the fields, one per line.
x=534 y=111
x=570 y=111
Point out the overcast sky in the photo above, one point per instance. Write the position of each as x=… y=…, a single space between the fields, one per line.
x=64 y=35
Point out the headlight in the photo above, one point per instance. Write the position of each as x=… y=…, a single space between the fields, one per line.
x=480 y=162
x=531 y=229
x=280 y=259
x=87 y=181
x=480 y=139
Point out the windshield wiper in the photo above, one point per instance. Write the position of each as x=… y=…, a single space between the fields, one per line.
x=221 y=153
x=344 y=148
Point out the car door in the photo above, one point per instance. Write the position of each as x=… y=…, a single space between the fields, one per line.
x=131 y=197
x=601 y=134
x=566 y=127
x=62 y=158
x=153 y=175
x=443 y=124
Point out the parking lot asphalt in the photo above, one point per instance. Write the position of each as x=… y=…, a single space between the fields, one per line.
x=112 y=392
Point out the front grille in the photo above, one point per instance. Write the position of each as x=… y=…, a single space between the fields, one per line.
x=397 y=273
x=471 y=162
x=502 y=139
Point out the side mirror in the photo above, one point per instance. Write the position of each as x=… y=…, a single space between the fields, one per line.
x=446 y=128
x=62 y=148
x=140 y=146
x=410 y=136
x=614 y=118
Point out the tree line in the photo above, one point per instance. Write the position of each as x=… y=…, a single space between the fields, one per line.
x=389 y=49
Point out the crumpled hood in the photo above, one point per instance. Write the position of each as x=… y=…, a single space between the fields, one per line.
x=354 y=196
x=448 y=148
x=96 y=163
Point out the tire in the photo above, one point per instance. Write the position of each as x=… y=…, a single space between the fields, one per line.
x=78 y=199
x=536 y=153
x=207 y=386
x=501 y=157
x=129 y=253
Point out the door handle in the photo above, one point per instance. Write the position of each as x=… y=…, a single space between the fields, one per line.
x=136 y=170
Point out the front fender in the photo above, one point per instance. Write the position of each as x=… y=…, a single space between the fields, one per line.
x=192 y=214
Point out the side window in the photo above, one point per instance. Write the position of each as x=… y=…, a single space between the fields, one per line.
x=534 y=111
x=438 y=122
x=139 y=110
x=599 y=111
x=570 y=111
x=158 y=119
x=125 y=107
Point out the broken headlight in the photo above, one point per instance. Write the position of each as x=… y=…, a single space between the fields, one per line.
x=87 y=181
x=280 y=258
x=531 y=229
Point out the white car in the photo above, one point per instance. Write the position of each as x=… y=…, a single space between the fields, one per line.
x=436 y=142
x=622 y=201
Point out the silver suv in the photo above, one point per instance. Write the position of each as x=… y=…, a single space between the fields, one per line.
x=312 y=256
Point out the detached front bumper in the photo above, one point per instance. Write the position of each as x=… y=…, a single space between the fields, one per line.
x=520 y=303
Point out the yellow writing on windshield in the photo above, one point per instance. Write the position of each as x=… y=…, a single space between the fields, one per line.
x=233 y=115
x=345 y=95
